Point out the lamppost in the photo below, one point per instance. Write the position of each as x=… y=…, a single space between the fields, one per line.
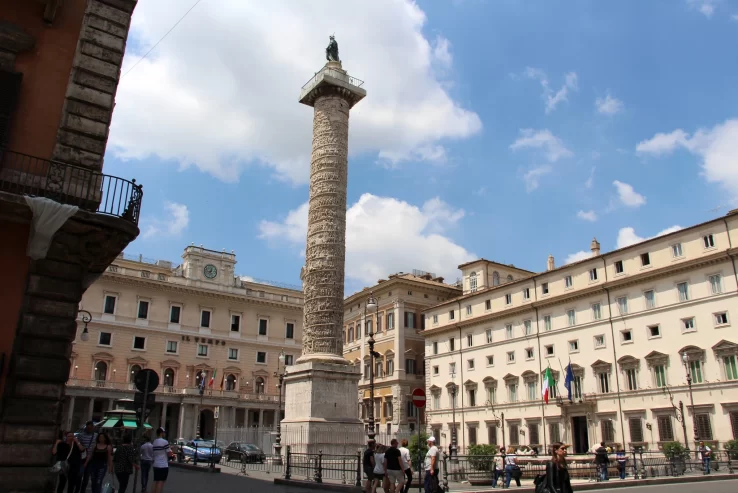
x=280 y=375
x=371 y=303
x=86 y=318
x=685 y=359
x=453 y=448
x=679 y=413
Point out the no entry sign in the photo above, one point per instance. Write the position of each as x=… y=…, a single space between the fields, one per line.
x=419 y=398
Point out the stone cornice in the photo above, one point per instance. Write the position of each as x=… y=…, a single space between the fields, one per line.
x=397 y=281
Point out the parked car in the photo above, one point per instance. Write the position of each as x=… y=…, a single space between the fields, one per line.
x=205 y=451
x=244 y=452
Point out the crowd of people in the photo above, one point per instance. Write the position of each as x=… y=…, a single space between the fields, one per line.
x=90 y=458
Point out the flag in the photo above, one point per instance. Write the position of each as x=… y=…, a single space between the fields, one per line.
x=548 y=384
x=212 y=378
x=222 y=381
x=569 y=379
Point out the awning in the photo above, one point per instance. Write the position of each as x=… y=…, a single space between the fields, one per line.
x=146 y=425
x=110 y=423
x=129 y=424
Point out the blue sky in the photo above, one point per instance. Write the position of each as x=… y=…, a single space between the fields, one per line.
x=499 y=129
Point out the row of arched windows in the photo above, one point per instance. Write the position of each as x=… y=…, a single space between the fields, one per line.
x=230 y=383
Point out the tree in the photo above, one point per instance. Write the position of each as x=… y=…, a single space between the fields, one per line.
x=418 y=450
x=481 y=457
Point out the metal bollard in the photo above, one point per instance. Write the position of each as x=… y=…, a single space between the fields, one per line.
x=319 y=467
x=358 y=468
x=445 y=472
x=288 y=457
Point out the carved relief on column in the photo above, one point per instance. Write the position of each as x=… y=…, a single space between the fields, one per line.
x=397 y=405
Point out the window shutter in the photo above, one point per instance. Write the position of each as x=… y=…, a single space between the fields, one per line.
x=553 y=431
x=636 y=430
x=666 y=433
x=415 y=320
x=534 y=439
x=734 y=424
x=704 y=430
x=608 y=431
x=422 y=323
x=492 y=435
x=10 y=83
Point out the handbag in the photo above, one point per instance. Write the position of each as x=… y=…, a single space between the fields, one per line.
x=62 y=466
x=108 y=486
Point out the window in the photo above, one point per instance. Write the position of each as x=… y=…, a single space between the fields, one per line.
x=143 y=309
x=547 y=322
x=492 y=434
x=436 y=401
x=435 y=347
x=235 y=323
x=435 y=319
x=410 y=367
x=709 y=241
x=599 y=341
x=666 y=432
x=451 y=315
x=627 y=335
x=695 y=370
x=509 y=331
x=532 y=390
x=619 y=267
x=290 y=331
x=468 y=309
x=205 y=318
x=554 y=435
x=390 y=321
x=734 y=424
x=261 y=357
x=488 y=305
x=529 y=353
x=635 y=426
x=676 y=250
x=630 y=379
x=452 y=398
x=511 y=357
x=202 y=349
x=659 y=374
x=593 y=274
x=436 y=370
x=702 y=423
x=604 y=381
x=514 y=434
x=607 y=430
x=513 y=392
x=452 y=368
x=472 y=397
x=715 y=285
x=568 y=282
x=175 y=312
x=473 y=282
x=263 y=324
x=688 y=324
x=544 y=288
x=650 y=299
x=492 y=394
x=105 y=339
x=488 y=333
x=645 y=259
x=721 y=318
x=410 y=320
x=577 y=387
x=109 y=307
x=623 y=305
x=683 y=289
x=490 y=361
x=172 y=347
x=390 y=366
x=731 y=372
x=526 y=293
x=571 y=315
x=139 y=342
x=654 y=331
x=469 y=340
x=528 y=328
x=549 y=350
x=508 y=299
x=596 y=312
x=451 y=344
x=574 y=346
x=232 y=354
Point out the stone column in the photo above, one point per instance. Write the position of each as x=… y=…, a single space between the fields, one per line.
x=163 y=422
x=261 y=417
x=196 y=421
x=90 y=409
x=70 y=414
x=111 y=404
x=181 y=417
x=399 y=340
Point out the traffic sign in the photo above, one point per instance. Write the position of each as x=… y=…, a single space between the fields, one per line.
x=419 y=398
x=147 y=380
x=217 y=412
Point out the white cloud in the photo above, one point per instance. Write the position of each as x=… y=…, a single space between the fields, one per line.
x=576 y=257
x=734 y=17
x=608 y=105
x=481 y=191
x=551 y=99
x=627 y=236
x=532 y=176
x=628 y=196
x=220 y=92
x=177 y=220
x=717 y=147
x=590 y=181
x=373 y=220
x=590 y=216
x=541 y=139
x=705 y=7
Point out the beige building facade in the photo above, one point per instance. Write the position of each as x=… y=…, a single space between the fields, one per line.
x=193 y=322
x=632 y=322
x=396 y=323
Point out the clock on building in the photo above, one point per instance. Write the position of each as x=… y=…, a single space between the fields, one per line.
x=210 y=271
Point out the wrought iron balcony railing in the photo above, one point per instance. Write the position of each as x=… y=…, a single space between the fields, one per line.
x=89 y=190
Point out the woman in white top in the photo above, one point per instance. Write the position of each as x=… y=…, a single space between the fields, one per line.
x=511 y=467
x=379 y=476
x=405 y=453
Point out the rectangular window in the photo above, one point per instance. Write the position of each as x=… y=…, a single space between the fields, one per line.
x=172 y=347
x=596 y=312
x=175 y=312
x=607 y=430
x=716 y=286
x=568 y=282
x=492 y=394
x=532 y=390
x=379 y=323
x=709 y=241
x=436 y=371
x=472 y=434
x=261 y=357
x=619 y=267
x=410 y=366
x=702 y=423
x=547 y=322
x=263 y=324
x=593 y=274
x=143 y=309
x=290 y=331
x=683 y=289
x=435 y=319
x=205 y=318
x=731 y=372
x=599 y=341
x=469 y=340
x=368 y=327
x=451 y=315
x=470 y=364
x=390 y=321
x=572 y=316
x=527 y=327
x=721 y=318
x=508 y=299
x=490 y=360
x=513 y=392
x=139 y=342
x=630 y=379
x=544 y=288
x=529 y=353
x=577 y=387
x=526 y=293
x=511 y=357
x=627 y=335
x=390 y=366
x=635 y=426
x=604 y=381
x=574 y=346
x=436 y=401
x=235 y=323
x=232 y=353
x=492 y=434
x=676 y=250
x=666 y=432
x=202 y=350
x=488 y=305
x=472 y=397
x=105 y=339
x=452 y=368
x=514 y=434
x=659 y=373
x=109 y=304
x=654 y=331
x=645 y=259
x=509 y=331
x=650 y=299
x=451 y=344
x=435 y=347
x=549 y=350
x=695 y=370
x=488 y=333
x=688 y=324
x=468 y=310
x=734 y=424
x=623 y=305
x=554 y=433
x=410 y=320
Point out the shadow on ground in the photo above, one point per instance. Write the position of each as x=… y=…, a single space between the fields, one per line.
x=184 y=481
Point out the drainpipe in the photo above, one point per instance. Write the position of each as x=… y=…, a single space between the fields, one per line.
x=730 y=247
x=540 y=365
x=614 y=353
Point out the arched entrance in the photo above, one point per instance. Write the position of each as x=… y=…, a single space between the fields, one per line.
x=207 y=424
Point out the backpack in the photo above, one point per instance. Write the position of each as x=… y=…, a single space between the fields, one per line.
x=540 y=484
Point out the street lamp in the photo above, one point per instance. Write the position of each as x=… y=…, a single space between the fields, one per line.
x=371 y=303
x=280 y=375
x=685 y=360
x=453 y=448
x=86 y=318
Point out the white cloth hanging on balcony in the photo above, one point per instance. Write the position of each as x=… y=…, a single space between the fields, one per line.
x=48 y=217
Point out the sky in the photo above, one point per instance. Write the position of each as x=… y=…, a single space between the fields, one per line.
x=503 y=129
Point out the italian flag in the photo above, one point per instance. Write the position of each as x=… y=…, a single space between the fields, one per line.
x=212 y=379
x=548 y=383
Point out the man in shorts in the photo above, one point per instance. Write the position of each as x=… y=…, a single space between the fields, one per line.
x=161 y=461
x=368 y=463
x=394 y=467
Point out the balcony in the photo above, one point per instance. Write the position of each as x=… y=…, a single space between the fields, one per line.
x=87 y=189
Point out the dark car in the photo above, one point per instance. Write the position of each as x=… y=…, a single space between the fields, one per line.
x=244 y=452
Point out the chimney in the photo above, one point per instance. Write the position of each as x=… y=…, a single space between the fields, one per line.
x=551 y=265
x=595 y=247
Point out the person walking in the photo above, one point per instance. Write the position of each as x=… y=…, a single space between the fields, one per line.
x=395 y=466
x=147 y=458
x=405 y=452
x=368 y=464
x=499 y=468
x=431 y=466
x=69 y=450
x=706 y=454
x=87 y=438
x=557 y=474
x=161 y=461
x=124 y=460
x=99 y=461
x=378 y=468
x=622 y=463
x=512 y=469
x=602 y=461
